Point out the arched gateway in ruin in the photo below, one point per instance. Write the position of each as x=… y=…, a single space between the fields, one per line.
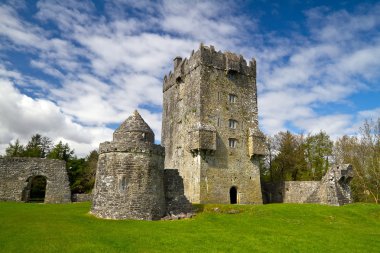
x=18 y=174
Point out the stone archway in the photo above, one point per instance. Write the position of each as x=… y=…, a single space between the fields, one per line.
x=17 y=176
x=233 y=195
x=35 y=189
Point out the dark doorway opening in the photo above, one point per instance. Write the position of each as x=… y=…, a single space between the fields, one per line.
x=35 y=190
x=233 y=195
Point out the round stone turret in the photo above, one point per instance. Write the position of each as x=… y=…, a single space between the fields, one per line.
x=129 y=178
x=134 y=129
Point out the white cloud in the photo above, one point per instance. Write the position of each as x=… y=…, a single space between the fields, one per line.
x=108 y=65
x=22 y=117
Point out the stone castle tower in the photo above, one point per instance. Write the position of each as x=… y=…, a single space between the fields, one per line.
x=129 y=178
x=210 y=127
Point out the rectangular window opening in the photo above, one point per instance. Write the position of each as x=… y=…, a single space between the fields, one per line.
x=232 y=98
x=232 y=143
x=232 y=123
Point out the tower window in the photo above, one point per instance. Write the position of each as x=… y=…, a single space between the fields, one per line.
x=232 y=74
x=232 y=143
x=232 y=98
x=232 y=123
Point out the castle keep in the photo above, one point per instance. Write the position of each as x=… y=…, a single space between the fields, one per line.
x=211 y=147
x=210 y=127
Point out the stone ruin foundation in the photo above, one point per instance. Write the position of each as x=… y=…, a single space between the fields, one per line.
x=333 y=189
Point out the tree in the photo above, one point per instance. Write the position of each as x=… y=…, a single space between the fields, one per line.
x=38 y=146
x=289 y=162
x=318 y=149
x=363 y=152
x=14 y=150
x=61 y=151
x=82 y=172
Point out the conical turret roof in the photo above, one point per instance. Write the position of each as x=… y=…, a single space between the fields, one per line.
x=134 y=123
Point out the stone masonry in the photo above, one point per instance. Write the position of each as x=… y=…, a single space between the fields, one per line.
x=130 y=178
x=16 y=175
x=333 y=189
x=210 y=127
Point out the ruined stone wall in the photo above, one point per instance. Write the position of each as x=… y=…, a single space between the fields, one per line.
x=196 y=129
x=16 y=173
x=333 y=189
x=81 y=197
x=300 y=191
x=129 y=182
x=176 y=202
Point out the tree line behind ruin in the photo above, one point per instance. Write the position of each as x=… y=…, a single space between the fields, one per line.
x=299 y=157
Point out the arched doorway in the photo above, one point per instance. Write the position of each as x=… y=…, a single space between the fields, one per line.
x=233 y=195
x=35 y=189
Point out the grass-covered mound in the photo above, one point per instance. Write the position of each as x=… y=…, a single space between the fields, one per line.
x=216 y=228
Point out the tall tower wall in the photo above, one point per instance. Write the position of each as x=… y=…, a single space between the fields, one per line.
x=210 y=126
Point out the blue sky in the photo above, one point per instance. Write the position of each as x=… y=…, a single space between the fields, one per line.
x=74 y=70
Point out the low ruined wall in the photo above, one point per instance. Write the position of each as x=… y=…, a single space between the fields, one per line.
x=299 y=191
x=333 y=189
x=81 y=197
x=16 y=173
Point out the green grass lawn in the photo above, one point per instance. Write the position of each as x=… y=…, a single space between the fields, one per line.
x=265 y=228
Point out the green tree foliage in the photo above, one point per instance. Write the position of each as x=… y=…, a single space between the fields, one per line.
x=38 y=146
x=62 y=152
x=294 y=157
x=286 y=157
x=82 y=173
x=318 y=148
x=14 y=150
x=363 y=152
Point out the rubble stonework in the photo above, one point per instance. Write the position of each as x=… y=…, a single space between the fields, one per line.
x=16 y=176
x=129 y=178
x=333 y=189
x=210 y=127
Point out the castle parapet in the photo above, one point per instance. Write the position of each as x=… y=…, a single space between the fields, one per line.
x=132 y=147
x=207 y=56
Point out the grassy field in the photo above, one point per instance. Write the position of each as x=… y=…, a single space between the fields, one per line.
x=265 y=228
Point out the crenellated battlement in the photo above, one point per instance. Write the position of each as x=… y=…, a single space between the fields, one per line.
x=207 y=56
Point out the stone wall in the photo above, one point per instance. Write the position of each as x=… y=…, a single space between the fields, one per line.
x=175 y=199
x=81 y=197
x=201 y=96
x=16 y=175
x=141 y=196
x=300 y=191
x=333 y=189
x=130 y=174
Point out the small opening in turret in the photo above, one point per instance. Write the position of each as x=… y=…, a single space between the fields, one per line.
x=123 y=184
x=179 y=80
